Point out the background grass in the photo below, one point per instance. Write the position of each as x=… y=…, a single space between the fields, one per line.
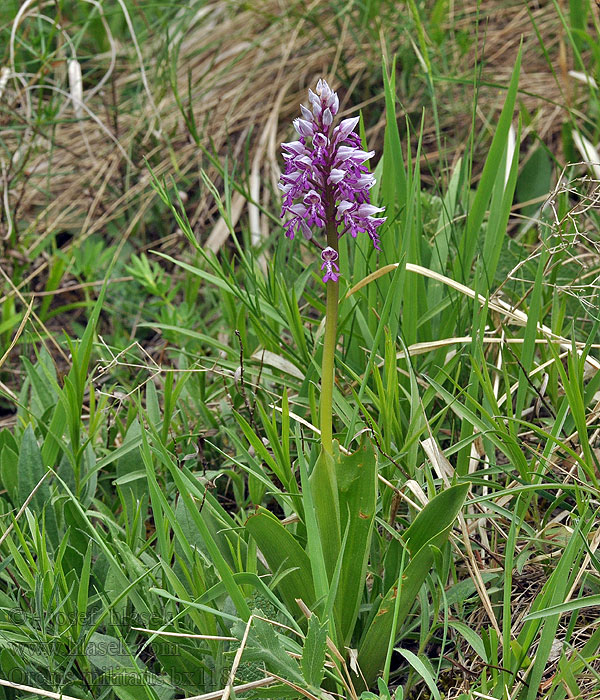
x=160 y=343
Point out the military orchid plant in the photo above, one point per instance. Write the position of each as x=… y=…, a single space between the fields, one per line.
x=326 y=186
x=334 y=569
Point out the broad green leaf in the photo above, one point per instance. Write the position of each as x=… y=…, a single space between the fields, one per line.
x=9 y=474
x=42 y=388
x=314 y=546
x=115 y=565
x=152 y=403
x=384 y=691
x=421 y=669
x=30 y=471
x=431 y=527
x=324 y=493
x=439 y=514
x=135 y=686
x=472 y=638
x=83 y=589
x=500 y=209
x=464 y=589
x=534 y=181
x=256 y=582
x=357 y=482
x=130 y=467
x=283 y=552
x=133 y=476
x=187 y=333
x=107 y=653
x=187 y=529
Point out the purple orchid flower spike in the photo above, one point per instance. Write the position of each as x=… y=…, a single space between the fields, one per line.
x=325 y=181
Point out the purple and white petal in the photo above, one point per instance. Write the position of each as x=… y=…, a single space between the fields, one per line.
x=298 y=209
x=306 y=231
x=303 y=127
x=303 y=162
x=365 y=182
x=335 y=104
x=336 y=176
x=354 y=154
x=292 y=177
x=342 y=130
x=368 y=210
x=344 y=206
x=306 y=113
x=296 y=147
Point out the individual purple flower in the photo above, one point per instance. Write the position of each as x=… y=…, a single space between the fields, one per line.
x=329 y=257
x=325 y=180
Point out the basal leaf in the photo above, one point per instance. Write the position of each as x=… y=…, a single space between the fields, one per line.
x=283 y=552
x=430 y=529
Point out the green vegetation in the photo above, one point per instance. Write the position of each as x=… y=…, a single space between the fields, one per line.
x=163 y=505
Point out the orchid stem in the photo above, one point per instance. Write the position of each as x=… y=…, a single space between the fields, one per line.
x=328 y=363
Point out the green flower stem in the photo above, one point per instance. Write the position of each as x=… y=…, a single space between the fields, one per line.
x=328 y=363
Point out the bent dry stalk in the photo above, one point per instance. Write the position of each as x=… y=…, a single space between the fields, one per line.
x=326 y=185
